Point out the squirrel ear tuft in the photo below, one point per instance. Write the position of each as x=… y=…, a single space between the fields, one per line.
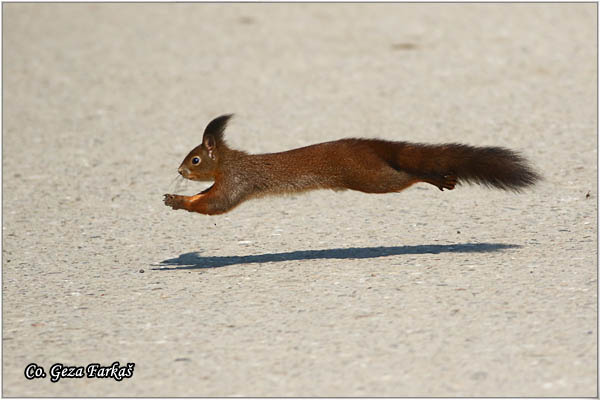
x=213 y=133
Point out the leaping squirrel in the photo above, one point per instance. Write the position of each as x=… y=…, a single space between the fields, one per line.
x=366 y=165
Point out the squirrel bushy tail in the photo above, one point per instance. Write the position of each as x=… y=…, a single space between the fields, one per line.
x=490 y=166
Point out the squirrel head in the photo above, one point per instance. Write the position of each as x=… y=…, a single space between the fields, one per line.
x=201 y=163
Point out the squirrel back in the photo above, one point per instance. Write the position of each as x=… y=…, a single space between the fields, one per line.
x=367 y=165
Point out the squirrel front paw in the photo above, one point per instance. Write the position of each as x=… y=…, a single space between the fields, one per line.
x=174 y=201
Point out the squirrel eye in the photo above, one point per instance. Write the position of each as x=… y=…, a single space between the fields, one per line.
x=196 y=160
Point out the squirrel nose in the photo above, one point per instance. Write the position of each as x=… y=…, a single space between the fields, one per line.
x=180 y=170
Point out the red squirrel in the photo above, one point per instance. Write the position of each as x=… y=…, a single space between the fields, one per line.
x=366 y=165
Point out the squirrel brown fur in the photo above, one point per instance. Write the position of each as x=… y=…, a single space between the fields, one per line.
x=366 y=165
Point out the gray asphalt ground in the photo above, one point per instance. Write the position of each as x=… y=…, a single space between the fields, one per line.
x=472 y=292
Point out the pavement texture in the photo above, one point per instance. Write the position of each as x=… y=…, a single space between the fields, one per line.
x=472 y=292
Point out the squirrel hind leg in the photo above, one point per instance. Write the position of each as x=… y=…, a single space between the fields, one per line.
x=448 y=181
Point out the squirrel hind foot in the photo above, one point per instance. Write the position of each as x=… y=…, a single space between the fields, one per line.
x=449 y=182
